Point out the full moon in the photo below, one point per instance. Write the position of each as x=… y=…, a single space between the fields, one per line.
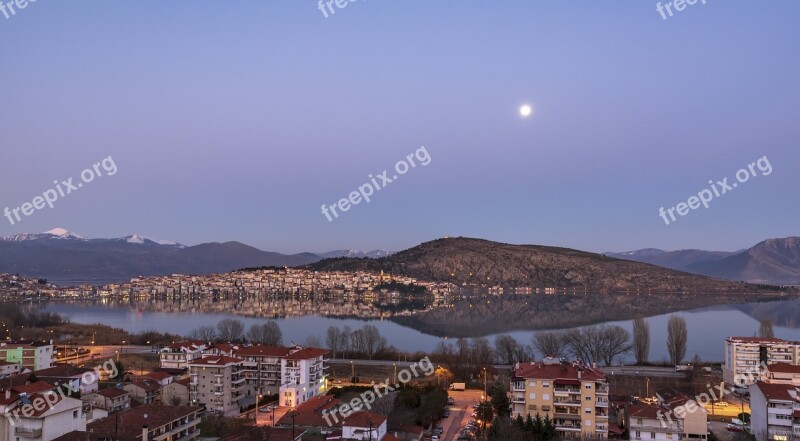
x=525 y=110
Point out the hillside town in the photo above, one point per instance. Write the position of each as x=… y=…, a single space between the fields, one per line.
x=288 y=393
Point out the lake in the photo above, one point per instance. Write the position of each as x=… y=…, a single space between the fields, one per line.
x=708 y=326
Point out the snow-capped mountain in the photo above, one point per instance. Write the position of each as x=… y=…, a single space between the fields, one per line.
x=374 y=254
x=62 y=233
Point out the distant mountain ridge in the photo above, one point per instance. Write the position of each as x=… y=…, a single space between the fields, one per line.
x=774 y=261
x=65 y=257
x=467 y=261
x=374 y=254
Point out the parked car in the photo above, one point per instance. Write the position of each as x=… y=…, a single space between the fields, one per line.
x=735 y=428
x=721 y=404
x=451 y=401
x=446 y=414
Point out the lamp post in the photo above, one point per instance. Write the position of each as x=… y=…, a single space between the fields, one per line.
x=484 y=383
x=258 y=400
x=647 y=387
x=353 y=373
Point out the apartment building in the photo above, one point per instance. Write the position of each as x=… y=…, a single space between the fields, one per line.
x=303 y=375
x=179 y=355
x=78 y=378
x=364 y=426
x=574 y=396
x=782 y=373
x=261 y=368
x=682 y=407
x=112 y=399
x=775 y=411
x=39 y=416
x=144 y=390
x=217 y=383
x=8 y=369
x=33 y=355
x=744 y=355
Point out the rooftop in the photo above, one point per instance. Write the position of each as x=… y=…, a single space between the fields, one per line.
x=558 y=371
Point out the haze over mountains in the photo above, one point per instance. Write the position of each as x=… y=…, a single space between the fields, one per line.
x=64 y=257
x=775 y=261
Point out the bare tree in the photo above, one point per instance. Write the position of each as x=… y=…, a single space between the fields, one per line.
x=677 y=335
x=230 y=329
x=205 y=333
x=345 y=343
x=765 y=329
x=373 y=342
x=333 y=339
x=641 y=340
x=357 y=341
x=482 y=352
x=508 y=349
x=615 y=341
x=268 y=333
x=598 y=343
x=550 y=343
x=312 y=341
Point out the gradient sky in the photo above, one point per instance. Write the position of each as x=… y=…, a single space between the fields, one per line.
x=238 y=120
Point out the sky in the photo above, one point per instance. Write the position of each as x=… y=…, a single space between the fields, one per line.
x=238 y=120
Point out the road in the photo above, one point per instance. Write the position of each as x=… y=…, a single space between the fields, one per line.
x=99 y=353
x=644 y=371
x=460 y=412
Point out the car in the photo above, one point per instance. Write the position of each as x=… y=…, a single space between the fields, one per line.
x=721 y=404
x=735 y=428
x=264 y=409
x=446 y=414
x=451 y=401
x=434 y=438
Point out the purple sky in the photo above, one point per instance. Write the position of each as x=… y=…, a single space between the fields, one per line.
x=238 y=120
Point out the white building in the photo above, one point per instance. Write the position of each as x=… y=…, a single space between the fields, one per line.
x=744 y=355
x=39 y=417
x=302 y=376
x=179 y=355
x=775 y=411
x=364 y=426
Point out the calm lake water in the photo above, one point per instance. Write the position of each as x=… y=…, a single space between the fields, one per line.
x=708 y=327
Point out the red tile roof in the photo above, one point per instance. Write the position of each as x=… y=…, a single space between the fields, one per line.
x=757 y=340
x=307 y=353
x=647 y=411
x=215 y=360
x=774 y=391
x=62 y=371
x=310 y=413
x=784 y=368
x=111 y=392
x=129 y=422
x=363 y=419
x=157 y=375
x=31 y=388
x=268 y=351
x=558 y=371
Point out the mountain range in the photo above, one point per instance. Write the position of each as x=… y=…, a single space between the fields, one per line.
x=775 y=261
x=63 y=257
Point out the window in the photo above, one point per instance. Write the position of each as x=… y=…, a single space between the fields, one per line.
x=588 y=410
x=638 y=434
x=545 y=384
x=532 y=384
x=532 y=407
x=545 y=396
x=669 y=436
x=588 y=423
x=532 y=396
x=588 y=386
x=546 y=408
x=75 y=414
x=588 y=398
x=638 y=422
x=652 y=435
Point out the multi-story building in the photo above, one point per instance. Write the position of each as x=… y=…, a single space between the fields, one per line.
x=574 y=396
x=744 y=356
x=179 y=355
x=111 y=399
x=775 y=411
x=652 y=422
x=144 y=390
x=8 y=369
x=261 y=368
x=217 y=383
x=302 y=375
x=77 y=378
x=782 y=373
x=33 y=355
x=176 y=393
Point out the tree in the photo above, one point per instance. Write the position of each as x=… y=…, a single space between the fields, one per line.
x=333 y=339
x=230 y=329
x=373 y=342
x=615 y=341
x=204 y=333
x=499 y=398
x=485 y=412
x=550 y=343
x=677 y=335
x=641 y=340
x=268 y=333
x=765 y=329
x=598 y=343
x=508 y=349
x=312 y=341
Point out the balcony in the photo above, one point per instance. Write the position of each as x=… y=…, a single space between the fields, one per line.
x=518 y=386
x=567 y=402
x=601 y=403
x=27 y=432
x=567 y=390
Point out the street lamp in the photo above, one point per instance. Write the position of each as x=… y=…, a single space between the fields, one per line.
x=353 y=376
x=484 y=382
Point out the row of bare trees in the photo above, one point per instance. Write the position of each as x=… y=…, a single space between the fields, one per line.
x=591 y=344
x=366 y=341
x=232 y=330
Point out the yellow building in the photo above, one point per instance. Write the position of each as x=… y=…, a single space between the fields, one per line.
x=573 y=396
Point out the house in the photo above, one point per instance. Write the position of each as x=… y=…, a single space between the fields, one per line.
x=366 y=426
x=694 y=416
x=783 y=373
x=84 y=379
x=317 y=413
x=574 y=396
x=33 y=355
x=262 y=433
x=39 y=416
x=179 y=355
x=144 y=390
x=9 y=368
x=775 y=411
x=112 y=399
x=176 y=393
x=162 y=378
x=650 y=422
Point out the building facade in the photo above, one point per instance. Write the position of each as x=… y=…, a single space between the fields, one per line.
x=33 y=355
x=217 y=383
x=745 y=355
x=574 y=396
x=775 y=411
